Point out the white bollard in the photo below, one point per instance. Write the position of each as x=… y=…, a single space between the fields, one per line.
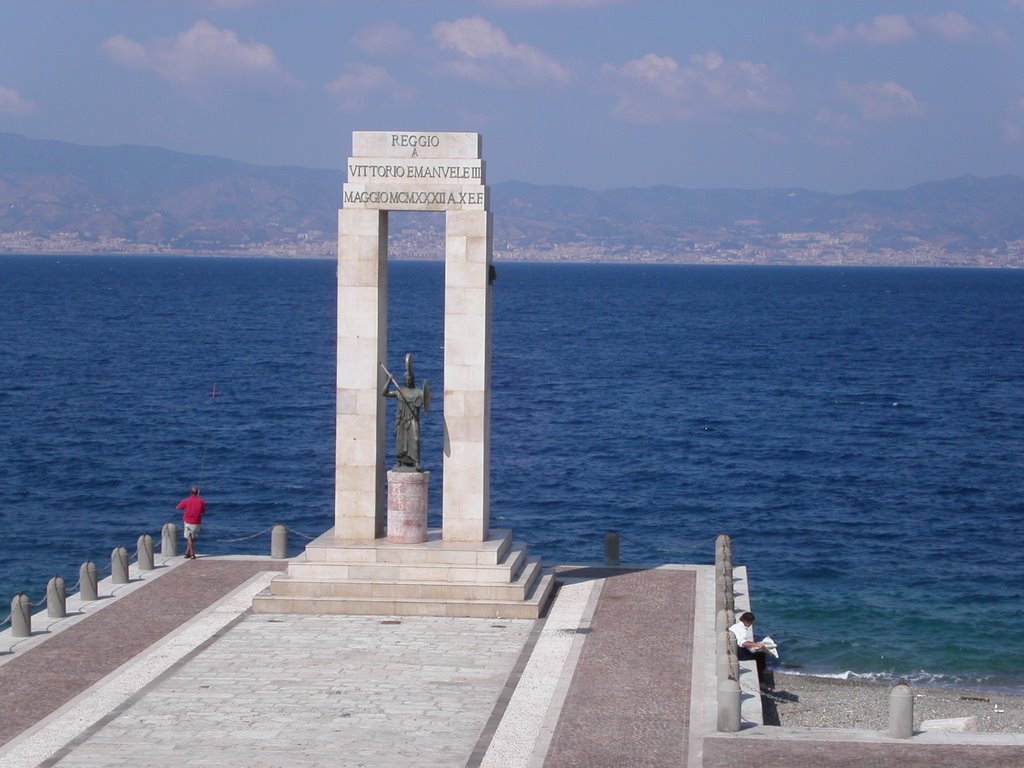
x=21 y=616
x=901 y=711
x=729 y=706
x=169 y=540
x=144 y=547
x=88 y=582
x=279 y=542
x=119 y=565
x=56 y=598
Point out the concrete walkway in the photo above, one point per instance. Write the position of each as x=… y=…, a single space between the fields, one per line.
x=180 y=670
x=175 y=667
x=37 y=682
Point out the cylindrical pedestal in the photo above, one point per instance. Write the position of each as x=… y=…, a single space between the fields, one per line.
x=169 y=540
x=729 y=706
x=407 y=507
x=56 y=598
x=279 y=542
x=144 y=552
x=901 y=711
x=119 y=565
x=87 y=581
x=21 y=616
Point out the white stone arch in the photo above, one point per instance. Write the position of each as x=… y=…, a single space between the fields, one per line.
x=408 y=171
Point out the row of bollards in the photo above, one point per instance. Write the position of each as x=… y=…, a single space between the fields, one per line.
x=88 y=581
x=901 y=696
x=728 y=664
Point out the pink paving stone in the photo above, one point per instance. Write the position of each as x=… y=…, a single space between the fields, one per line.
x=629 y=701
x=46 y=677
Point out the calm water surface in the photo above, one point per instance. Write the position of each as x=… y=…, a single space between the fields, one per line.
x=858 y=431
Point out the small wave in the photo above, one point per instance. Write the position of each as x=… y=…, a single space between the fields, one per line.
x=920 y=679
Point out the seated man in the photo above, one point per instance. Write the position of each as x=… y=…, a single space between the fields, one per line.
x=747 y=647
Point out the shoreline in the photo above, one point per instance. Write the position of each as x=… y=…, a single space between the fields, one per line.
x=828 y=702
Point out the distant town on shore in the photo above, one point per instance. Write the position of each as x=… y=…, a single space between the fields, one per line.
x=57 y=197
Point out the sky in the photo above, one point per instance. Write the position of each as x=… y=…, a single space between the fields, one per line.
x=830 y=95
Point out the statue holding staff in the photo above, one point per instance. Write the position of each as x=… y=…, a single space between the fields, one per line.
x=407 y=417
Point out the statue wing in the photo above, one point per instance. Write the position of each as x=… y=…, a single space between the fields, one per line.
x=426 y=396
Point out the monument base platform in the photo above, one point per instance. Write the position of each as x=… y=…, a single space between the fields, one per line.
x=494 y=578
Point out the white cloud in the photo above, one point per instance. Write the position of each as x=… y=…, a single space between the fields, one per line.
x=384 y=39
x=485 y=54
x=892 y=29
x=14 y=104
x=948 y=26
x=202 y=56
x=887 y=29
x=657 y=88
x=881 y=101
x=363 y=84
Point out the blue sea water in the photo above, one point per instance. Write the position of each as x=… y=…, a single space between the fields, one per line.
x=859 y=432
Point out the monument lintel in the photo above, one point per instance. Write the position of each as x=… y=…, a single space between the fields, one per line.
x=416 y=197
x=415 y=170
x=426 y=144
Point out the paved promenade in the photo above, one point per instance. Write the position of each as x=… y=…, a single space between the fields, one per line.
x=178 y=670
x=175 y=668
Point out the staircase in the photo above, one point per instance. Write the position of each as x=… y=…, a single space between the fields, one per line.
x=495 y=578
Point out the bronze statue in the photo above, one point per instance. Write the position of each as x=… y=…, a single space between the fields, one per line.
x=407 y=417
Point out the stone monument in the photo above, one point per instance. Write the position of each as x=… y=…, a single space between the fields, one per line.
x=465 y=568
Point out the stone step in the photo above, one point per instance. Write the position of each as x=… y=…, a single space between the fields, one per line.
x=503 y=572
x=530 y=608
x=329 y=548
x=518 y=589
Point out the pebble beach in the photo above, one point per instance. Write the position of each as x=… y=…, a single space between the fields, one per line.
x=820 y=702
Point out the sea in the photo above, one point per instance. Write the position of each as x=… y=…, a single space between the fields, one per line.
x=859 y=432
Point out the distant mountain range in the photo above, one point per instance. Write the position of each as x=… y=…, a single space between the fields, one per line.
x=61 y=197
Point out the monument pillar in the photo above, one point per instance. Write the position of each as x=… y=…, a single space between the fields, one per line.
x=467 y=376
x=360 y=475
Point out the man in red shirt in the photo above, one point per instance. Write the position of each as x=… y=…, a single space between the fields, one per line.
x=194 y=509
